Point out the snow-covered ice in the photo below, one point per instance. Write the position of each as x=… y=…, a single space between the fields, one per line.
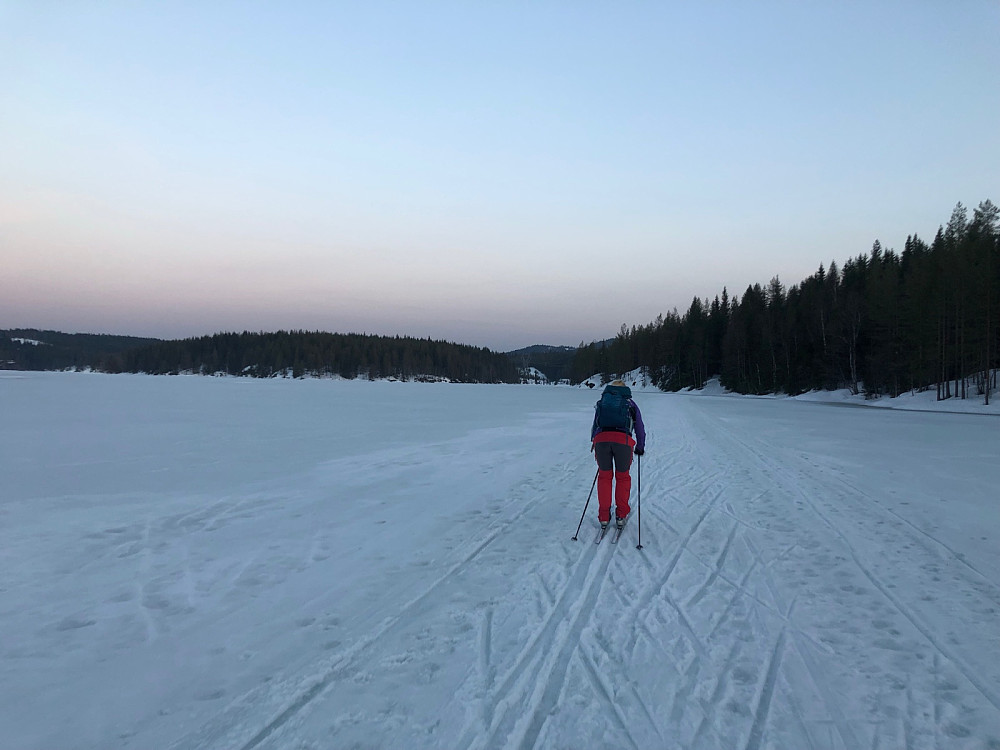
x=216 y=563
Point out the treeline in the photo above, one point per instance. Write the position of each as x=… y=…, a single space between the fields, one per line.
x=300 y=353
x=883 y=323
x=32 y=349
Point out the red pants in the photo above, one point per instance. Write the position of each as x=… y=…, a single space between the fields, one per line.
x=614 y=458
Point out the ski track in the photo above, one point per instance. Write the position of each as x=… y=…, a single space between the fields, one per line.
x=952 y=554
x=720 y=599
x=766 y=694
x=700 y=517
x=612 y=707
x=344 y=664
x=987 y=692
x=844 y=728
x=717 y=568
x=704 y=498
x=584 y=583
x=552 y=679
x=941 y=649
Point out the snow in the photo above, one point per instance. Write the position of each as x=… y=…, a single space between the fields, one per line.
x=193 y=562
x=637 y=380
x=534 y=376
x=909 y=401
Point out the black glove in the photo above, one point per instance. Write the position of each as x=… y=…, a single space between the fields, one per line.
x=639 y=451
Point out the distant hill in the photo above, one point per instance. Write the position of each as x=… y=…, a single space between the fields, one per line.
x=555 y=362
x=33 y=349
x=540 y=349
x=265 y=355
x=301 y=353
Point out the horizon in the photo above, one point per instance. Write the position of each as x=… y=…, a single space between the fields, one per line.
x=294 y=330
x=496 y=177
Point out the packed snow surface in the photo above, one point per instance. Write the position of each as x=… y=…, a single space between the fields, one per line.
x=222 y=563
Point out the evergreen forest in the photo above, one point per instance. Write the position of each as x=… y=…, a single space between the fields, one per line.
x=34 y=349
x=300 y=353
x=882 y=323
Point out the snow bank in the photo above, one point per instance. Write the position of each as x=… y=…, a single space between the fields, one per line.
x=925 y=401
x=910 y=401
x=637 y=380
x=533 y=376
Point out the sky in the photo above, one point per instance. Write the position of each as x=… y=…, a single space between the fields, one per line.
x=497 y=174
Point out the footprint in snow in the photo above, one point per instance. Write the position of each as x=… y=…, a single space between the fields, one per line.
x=74 y=623
x=742 y=676
x=209 y=695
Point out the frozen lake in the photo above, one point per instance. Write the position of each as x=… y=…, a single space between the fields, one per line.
x=232 y=564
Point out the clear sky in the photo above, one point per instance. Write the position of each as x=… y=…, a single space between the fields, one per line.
x=494 y=173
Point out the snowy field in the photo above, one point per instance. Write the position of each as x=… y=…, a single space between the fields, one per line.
x=227 y=564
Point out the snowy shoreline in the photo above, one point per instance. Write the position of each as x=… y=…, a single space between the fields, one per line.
x=910 y=401
x=925 y=401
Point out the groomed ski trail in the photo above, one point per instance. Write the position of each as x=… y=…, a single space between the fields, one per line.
x=755 y=616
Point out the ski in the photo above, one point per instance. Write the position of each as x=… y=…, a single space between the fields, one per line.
x=601 y=532
x=619 y=530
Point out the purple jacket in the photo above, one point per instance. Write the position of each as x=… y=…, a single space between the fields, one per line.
x=640 y=428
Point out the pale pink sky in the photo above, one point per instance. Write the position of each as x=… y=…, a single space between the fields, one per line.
x=498 y=175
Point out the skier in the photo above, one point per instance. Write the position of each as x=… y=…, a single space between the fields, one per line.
x=611 y=441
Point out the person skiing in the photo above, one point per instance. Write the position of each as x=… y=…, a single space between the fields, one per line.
x=611 y=441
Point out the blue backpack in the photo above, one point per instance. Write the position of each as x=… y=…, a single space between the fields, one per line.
x=613 y=410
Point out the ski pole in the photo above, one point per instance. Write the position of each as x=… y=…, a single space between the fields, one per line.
x=585 y=507
x=638 y=500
